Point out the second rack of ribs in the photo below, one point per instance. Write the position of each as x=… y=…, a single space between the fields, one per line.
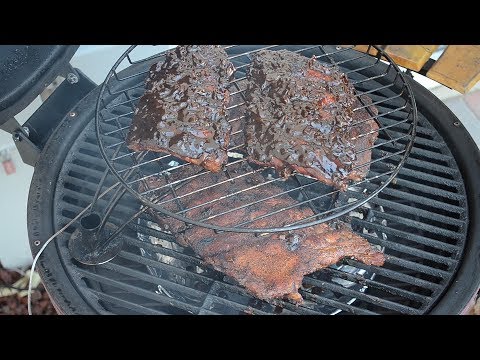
x=269 y=266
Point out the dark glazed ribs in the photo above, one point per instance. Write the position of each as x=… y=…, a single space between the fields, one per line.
x=301 y=118
x=270 y=266
x=183 y=111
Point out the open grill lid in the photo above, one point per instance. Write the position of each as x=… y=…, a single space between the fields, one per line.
x=26 y=70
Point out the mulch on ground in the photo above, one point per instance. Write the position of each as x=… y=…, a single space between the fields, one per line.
x=16 y=304
x=41 y=305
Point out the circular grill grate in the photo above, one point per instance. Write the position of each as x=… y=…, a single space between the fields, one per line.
x=156 y=179
x=420 y=220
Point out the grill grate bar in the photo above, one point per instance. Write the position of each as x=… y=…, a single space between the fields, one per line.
x=136 y=290
x=380 y=286
x=420 y=212
x=193 y=260
x=421 y=132
x=169 y=285
x=168 y=267
x=213 y=299
x=422 y=153
x=389 y=156
x=418 y=267
x=183 y=211
x=401 y=182
x=408 y=236
x=125 y=304
x=421 y=200
x=138 y=86
x=374 y=300
x=357 y=70
x=423 y=176
x=246 y=53
x=419 y=225
x=118 y=117
x=384 y=143
x=410 y=250
x=419 y=141
x=159 y=173
x=327 y=211
x=430 y=166
x=335 y=304
x=84 y=200
x=396 y=275
x=196 y=176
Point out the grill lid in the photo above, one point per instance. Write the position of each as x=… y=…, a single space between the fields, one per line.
x=26 y=70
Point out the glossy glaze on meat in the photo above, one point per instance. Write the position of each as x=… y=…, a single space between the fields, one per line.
x=301 y=117
x=270 y=266
x=183 y=110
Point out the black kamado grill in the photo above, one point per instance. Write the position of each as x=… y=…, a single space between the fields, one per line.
x=419 y=203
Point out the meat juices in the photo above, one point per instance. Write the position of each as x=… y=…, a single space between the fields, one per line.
x=270 y=266
x=183 y=110
x=301 y=118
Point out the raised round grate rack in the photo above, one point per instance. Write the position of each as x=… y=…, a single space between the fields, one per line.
x=137 y=171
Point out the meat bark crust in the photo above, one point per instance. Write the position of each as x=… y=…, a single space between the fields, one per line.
x=300 y=117
x=183 y=110
x=270 y=266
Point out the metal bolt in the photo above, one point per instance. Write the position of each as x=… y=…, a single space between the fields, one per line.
x=338 y=48
x=456 y=123
x=16 y=137
x=72 y=78
x=37 y=243
x=26 y=130
x=72 y=114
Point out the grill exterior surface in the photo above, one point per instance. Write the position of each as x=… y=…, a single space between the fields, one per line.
x=420 y=220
